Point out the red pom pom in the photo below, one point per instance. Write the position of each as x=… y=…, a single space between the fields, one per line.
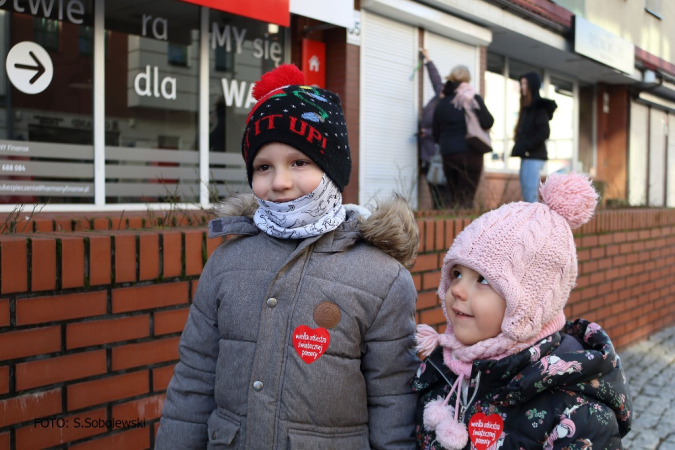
x=283 y=75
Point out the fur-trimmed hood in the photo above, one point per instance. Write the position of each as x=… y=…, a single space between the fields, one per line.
x=390 y=226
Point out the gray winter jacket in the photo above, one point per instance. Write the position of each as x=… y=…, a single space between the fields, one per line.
x=241 y=384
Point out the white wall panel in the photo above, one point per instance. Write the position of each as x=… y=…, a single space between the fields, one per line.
x=670 y=174
x=389 y=105
x=657 y=157
x=446 y=54
x=637 y=154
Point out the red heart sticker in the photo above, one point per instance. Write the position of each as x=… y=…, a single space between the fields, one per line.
x=310 y=343
x=485 y=430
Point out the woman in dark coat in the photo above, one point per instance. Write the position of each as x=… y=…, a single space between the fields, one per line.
x=532 y=131
x=462 y=165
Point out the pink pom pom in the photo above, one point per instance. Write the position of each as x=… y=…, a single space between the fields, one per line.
x=427 y=339
x=452 y=435
x=283 y=75
x=570 y=195
x=435 y=412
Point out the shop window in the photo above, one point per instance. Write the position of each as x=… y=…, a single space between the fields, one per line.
x=86 y=41
x=241 y=50
x=654 y=7
x=502 y=97
x=224 y=59
x=152 y=98
x=496 y=63
x=178 y=54
x=495 y=98
x=46 y=135
x=560 y=144
x=46 y=33
x=517 y=69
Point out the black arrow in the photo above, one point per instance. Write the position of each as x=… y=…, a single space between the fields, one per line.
x=39 y=68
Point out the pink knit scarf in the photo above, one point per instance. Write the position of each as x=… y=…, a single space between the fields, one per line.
x=459 y=357
x=465 y=97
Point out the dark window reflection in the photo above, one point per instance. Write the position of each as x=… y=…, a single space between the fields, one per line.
x=46 y=137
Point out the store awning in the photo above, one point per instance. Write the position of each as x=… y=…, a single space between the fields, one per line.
x=336 y=12
x=416 y=14
x=272 y=11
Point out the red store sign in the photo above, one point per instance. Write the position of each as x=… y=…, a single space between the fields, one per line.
x=272 y=11
x=314 y=62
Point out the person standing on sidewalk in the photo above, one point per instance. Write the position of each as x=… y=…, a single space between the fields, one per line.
x=426 y=138
x=461 y=163
x=531 y=133
x=509 y=371
x=301 y=331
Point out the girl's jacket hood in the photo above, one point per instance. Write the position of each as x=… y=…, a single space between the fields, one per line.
x=390 y=226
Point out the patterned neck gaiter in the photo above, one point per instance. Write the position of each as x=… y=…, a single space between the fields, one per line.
x=313 y=214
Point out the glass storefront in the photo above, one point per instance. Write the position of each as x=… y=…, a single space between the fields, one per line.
x=46 y=133
x=156 y=95
x=560 y=144
x=151 y=101
x=240 y=51
x=502 y=97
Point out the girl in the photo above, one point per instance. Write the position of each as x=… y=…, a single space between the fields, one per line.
x=509 y=371
x=301 y=331
x=532 y=131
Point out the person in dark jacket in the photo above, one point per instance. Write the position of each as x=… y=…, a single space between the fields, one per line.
x=426 y=137
x=462 y=165
x=532 y=131
x=510 y=372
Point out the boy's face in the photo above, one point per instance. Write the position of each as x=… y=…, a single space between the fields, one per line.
x=282 y=173
x=475 y=310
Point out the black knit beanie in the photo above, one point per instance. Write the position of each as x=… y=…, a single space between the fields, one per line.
x=307 y=118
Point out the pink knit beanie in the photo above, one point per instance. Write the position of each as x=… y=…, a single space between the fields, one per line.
x=526 y=252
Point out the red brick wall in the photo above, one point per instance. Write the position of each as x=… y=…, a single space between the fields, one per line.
x=90 y=320
x=89 y=328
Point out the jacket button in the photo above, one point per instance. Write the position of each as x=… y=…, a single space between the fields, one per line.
x=257 y=385
x=272 y=302
x=527 y=153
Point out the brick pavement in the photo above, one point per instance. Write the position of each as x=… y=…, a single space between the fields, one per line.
x=650 y=368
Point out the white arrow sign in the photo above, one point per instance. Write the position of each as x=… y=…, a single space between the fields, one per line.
x=29 y=67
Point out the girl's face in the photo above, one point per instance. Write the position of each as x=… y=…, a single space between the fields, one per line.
x=523 y=87
x=282 y=173
x=475 y=310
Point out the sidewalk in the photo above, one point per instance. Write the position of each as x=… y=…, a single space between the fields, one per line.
x=650 y=369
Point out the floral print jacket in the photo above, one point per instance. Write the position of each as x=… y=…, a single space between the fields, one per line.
x=567 y=392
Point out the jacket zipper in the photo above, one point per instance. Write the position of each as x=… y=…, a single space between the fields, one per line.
x=463 y=408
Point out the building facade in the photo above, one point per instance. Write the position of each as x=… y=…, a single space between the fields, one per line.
x=111 y=105
x=123 y=104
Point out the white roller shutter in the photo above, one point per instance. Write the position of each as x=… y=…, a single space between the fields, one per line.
x=388 y=116
x=657 y=157
x=670 y=178
x=446 y=54
x=637 y=154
